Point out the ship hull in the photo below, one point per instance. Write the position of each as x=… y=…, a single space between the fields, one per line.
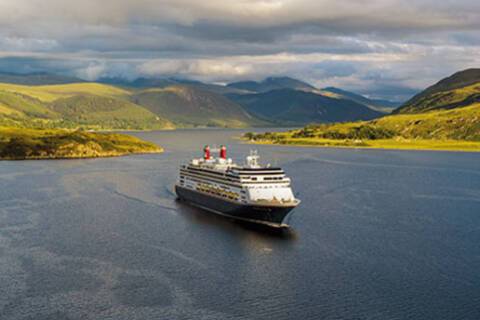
x=272 y=216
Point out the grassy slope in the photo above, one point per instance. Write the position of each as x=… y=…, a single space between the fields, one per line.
x=107 y=112
x=457 y=129
x=50 y=93
x=19 y=144
x=85 y=105
x=24 y=105
x=459 y=90
x=191 y=106
x=449 y=99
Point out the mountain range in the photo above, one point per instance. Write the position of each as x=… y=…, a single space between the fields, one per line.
x=45 y=100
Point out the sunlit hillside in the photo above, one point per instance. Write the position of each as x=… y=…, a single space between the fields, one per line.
x=18 y=144
x=457 y=129
x=52 y=92
x=459 y=90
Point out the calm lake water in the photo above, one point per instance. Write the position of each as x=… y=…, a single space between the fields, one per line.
x=379 y=235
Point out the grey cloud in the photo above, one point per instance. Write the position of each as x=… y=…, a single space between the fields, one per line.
x=322 y=41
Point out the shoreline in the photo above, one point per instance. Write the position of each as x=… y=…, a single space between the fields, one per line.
x=407 y=146
x=46 y=158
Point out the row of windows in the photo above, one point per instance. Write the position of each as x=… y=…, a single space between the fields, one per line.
x=267 y=178
x=270 y=187
x=218 y=192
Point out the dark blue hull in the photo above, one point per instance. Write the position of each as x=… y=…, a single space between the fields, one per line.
x=268 y=215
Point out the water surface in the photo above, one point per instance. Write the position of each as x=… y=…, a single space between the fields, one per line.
x=379 y=235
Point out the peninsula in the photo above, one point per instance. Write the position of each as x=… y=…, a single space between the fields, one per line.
x=26 y=144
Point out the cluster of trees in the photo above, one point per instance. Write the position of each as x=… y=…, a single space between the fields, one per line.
x=262 y=136
x=363 y=132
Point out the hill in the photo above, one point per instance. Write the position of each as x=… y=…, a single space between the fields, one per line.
x=49 y=93
x=384 y=106
x=20 y=105
x=293 y=107
x=107 y=112
x=459 y=90
x=20 y=144
x=272 y=83
x=77 y=105
x=457 y=129
x=190 y=106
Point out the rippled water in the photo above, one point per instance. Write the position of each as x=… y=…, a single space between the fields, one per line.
x=379 y=235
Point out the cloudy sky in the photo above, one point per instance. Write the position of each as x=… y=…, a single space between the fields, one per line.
x=382 y=48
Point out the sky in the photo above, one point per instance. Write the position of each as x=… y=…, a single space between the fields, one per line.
x=380 y=48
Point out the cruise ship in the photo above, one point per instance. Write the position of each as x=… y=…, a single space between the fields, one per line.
x=251 y=192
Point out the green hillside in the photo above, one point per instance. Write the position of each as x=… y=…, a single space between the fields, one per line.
x=107 y=112
x=294 y=107
x=20 y=144
x=459 y=90
x=76 y=105
x=50 y=93
x=457 y=129
x=24 y=106
x=191 y=106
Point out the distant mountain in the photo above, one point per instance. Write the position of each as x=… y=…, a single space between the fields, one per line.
x=37 y=79
x=190 y=106
x=143 y=83
x=293 y=107
x=272 y=83
x=384 y=106
x=139 y=82
x=459 y=90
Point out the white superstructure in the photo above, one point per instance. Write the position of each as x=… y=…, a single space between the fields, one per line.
x=248 y=184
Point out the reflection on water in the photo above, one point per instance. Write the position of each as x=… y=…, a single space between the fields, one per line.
x=378 y=235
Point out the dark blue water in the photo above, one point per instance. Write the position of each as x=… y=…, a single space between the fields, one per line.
x=379 y=235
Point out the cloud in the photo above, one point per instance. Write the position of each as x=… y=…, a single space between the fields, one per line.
x=93 y=71
x=362 y=45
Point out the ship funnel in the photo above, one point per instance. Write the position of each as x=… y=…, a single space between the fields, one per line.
x=223 y=152
x=206 y=152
